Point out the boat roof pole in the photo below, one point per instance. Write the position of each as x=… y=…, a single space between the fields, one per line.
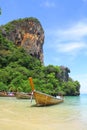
x=31 y=83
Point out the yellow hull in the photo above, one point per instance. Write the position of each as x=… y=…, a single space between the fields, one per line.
x=43 y=99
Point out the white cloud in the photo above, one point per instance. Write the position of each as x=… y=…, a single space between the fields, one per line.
x=70 y=40
x=74 y=32
x=48 y=4
x=70 y=47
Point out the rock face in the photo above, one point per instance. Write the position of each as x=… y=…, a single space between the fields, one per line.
x=65 y=73
x=27 y=33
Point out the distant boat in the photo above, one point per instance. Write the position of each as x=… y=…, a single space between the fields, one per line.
x=43 y=99
x=23 y=95
x=6 y=94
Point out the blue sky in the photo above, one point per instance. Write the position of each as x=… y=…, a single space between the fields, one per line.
x=65 y=27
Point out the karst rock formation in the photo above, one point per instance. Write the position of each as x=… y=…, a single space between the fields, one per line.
x=27 y=33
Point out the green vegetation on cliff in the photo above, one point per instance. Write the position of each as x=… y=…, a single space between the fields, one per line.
x=16 y=66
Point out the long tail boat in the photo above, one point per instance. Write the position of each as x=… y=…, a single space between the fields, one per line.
x=5 y=94
x=22 y=95
x=43 y=99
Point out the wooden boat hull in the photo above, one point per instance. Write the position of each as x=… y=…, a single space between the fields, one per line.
x=6 y=94
x=43 y=99
x=23 y=96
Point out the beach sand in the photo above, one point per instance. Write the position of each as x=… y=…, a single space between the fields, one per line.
x=20 y=115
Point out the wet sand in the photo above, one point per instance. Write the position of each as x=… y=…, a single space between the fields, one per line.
x=22 y=115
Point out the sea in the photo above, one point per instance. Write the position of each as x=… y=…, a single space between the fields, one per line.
x=22 y=114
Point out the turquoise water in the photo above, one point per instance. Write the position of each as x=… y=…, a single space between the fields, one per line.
x=78 y=106
x=22 y=115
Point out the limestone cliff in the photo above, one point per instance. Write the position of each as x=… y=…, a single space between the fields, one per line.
x=27 y=33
